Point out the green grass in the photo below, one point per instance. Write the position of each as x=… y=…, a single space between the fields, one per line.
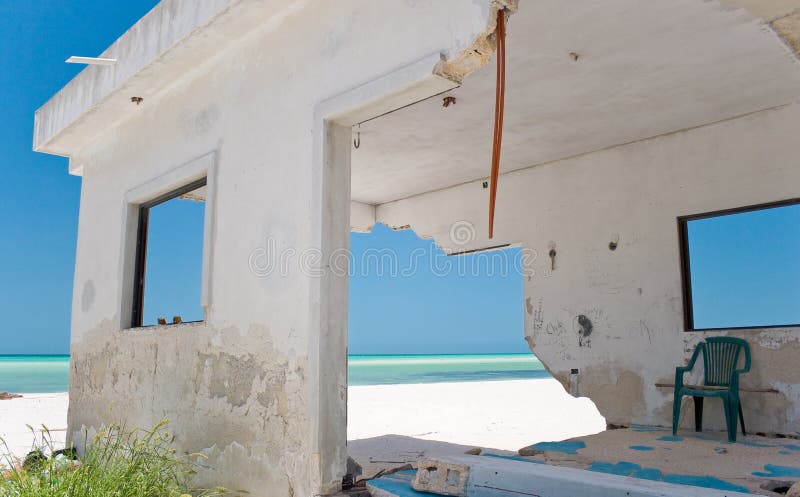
x=117 y=463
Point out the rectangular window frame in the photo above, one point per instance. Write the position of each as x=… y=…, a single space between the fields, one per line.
x=140 y=264
x=686 y=280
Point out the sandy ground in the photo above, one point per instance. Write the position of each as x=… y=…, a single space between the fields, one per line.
x=36 y=410
x=389 y=425
x=495 y=414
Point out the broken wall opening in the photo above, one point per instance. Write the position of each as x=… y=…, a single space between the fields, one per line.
x=396 y=156
x=422 y=324
x=438 y=363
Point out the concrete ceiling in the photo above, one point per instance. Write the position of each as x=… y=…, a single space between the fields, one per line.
x=644 y=68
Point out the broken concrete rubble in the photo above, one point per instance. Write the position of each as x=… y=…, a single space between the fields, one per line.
x=706 y=461
x=480 y=476
x=442 y=476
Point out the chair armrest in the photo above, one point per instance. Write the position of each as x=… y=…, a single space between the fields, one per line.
x=681 y=370
x=744 y=369
x=746 y=366
x=734 y=385
x=735 y=376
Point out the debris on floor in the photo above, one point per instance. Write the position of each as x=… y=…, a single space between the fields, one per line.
x=702 y=463
x=474 y=476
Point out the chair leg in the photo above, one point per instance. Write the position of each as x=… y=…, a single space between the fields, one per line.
x=730 y=414
x=698 y=413
x=741 y=419
x=676 y=413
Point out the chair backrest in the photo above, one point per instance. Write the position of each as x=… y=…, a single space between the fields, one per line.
x=721 y=354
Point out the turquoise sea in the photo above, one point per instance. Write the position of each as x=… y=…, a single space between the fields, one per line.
x=34 y=373
x=46 y=374
x=396 y=369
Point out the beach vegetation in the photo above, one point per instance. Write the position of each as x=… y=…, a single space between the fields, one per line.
x=117 y=463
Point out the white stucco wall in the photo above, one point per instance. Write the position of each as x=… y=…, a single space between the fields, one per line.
x=248 y=384
x=632 y=295
x=260 y=386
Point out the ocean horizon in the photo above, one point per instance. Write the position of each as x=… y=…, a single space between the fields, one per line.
x=50 y=373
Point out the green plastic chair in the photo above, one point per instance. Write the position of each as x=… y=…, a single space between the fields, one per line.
x=721 y=379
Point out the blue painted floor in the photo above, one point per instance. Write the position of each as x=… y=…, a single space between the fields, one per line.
x=701 y=459
x=704 y=459
x=398 y=484
x=634 y=470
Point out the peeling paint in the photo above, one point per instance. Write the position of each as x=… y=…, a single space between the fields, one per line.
x=240 y=403
x=624 y=468
x=568 y=447
x=774 y=471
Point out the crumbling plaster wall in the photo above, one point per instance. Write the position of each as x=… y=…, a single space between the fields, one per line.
x=245 y=385
x=630 y=299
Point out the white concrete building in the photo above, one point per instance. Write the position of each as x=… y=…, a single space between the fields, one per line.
x=621 y=116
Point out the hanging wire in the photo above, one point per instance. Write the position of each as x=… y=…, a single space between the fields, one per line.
x=499 y=104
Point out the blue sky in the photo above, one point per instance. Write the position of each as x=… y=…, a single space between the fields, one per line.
x=745 y=269
x=463 y=304
x=40 y=201
x=39 y=214
x=174 y=261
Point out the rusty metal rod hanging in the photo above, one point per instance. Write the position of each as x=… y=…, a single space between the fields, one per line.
x=499 y=103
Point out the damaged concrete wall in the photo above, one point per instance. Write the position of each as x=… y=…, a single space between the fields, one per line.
x=244 y=385
x=616 y=316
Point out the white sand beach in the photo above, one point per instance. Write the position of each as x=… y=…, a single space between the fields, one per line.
x=504 y=415
x=32 y=410
x=493 y=414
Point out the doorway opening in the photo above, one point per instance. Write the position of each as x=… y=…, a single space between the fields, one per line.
x=437 y=361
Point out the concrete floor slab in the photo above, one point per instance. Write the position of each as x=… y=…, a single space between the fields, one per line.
x=705 y=459
x=754 y=464
x=480 y=476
